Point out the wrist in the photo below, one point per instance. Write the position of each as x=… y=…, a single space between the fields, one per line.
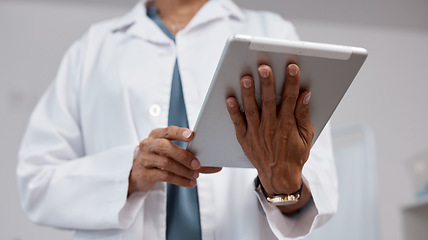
x=280 y=185
x=270 y=193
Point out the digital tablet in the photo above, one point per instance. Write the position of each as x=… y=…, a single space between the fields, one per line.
x=326 y=70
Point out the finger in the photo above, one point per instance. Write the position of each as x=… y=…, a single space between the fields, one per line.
x=172 y=133
x=210 y=169
x=268 y=99
x=166 y=148
x=168 y=164
x=290 y=92
x=251 y=109
x=237 y=118
x=303 y=119
x=166 y=176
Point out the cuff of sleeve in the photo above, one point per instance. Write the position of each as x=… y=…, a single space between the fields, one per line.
x=122 y=209
x=133 y=203
x=284 y=226
x=131 y=208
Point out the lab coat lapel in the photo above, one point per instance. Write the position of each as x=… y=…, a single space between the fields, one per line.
x=136 y=23
x=214 y=10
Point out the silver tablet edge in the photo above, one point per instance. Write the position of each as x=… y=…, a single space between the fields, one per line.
x=301 y=48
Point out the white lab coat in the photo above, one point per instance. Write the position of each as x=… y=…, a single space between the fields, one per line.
x=111 y=90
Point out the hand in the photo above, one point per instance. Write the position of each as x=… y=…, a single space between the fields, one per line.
x=160 y=160
x=278 y=140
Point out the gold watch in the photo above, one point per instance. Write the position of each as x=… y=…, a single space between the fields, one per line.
x=280 y=199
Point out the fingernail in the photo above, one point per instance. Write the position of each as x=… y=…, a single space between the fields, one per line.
x=195 y=164
x=293 y=70
x=307 y=98
x=230 y=103
x=264 y=72
x=196 y=174
x=192 y=183
x=246 y=82
x=187 y=134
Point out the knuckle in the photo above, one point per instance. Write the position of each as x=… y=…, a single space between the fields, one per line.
x=285 y=127
x=269 y=132
x=251 y=111
x=287 y=123
x=145 y=163
x=143 y=144
x=154 y=132
x=162 y=145
x=290 y=99
x=165 y=176
x=239 y=126
x=165 y=163
x=169 y=131
x=269 y=102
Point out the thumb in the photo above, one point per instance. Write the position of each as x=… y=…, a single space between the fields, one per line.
x=303 y=118
x=208 y=170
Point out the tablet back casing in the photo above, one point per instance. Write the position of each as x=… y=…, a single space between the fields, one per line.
x=326 y=70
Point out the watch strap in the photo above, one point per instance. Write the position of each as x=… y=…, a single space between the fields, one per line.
x=280 y=199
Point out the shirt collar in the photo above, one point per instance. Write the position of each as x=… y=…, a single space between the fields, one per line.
x=137 y=22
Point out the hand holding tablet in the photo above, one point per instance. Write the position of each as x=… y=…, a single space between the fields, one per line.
x=326 y=73
x=277 y=140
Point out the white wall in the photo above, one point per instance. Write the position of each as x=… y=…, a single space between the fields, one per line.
x=388 y=94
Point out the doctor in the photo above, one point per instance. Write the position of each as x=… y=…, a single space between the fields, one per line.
x=140 y=80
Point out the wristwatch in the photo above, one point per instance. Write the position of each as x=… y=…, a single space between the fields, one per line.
x=280 y=199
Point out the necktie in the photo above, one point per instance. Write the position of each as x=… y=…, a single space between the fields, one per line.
x=183 y=221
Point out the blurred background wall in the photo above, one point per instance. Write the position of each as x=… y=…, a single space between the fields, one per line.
x=389 y=94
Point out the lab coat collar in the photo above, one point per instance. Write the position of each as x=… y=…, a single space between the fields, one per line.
x=138 y=24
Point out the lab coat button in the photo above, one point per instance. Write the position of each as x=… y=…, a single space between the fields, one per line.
x=155 y=110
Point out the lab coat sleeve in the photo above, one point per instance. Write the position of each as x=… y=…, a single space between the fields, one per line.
x=59 y=184
x=319 y=174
